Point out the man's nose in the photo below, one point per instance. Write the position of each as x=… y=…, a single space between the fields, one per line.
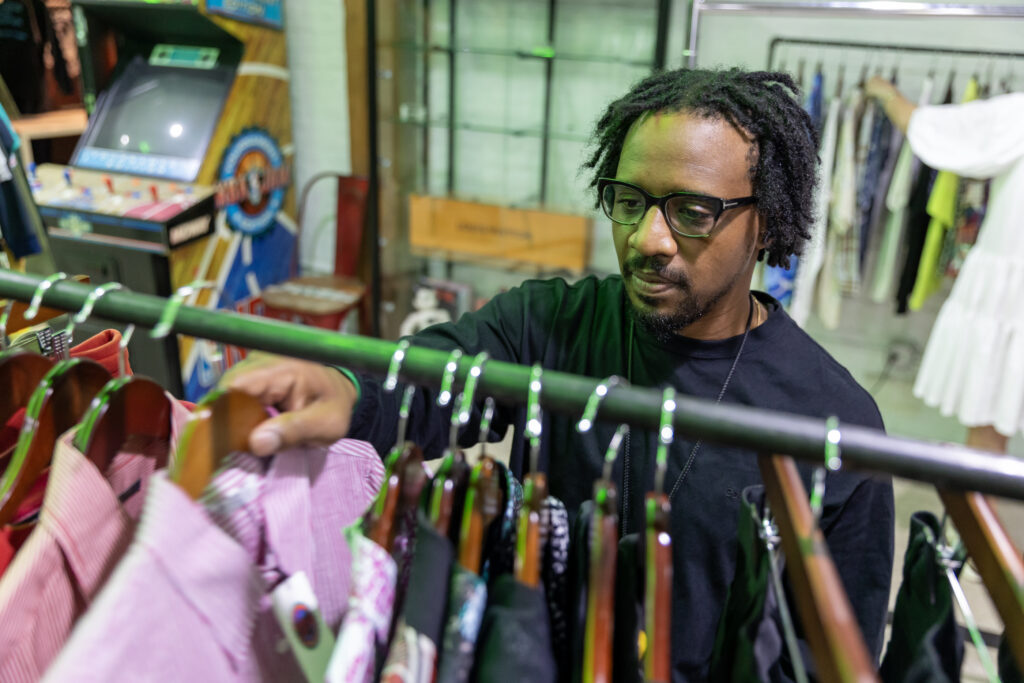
x=653 y=236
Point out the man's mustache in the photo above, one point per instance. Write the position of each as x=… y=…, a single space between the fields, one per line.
x=647 y=264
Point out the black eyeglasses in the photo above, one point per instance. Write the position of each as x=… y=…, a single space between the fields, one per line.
x=688 y=214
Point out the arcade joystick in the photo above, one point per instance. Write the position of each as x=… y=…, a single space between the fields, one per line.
x=109 y=182
x=67 y=176
x=154 y=193
x=32 y=170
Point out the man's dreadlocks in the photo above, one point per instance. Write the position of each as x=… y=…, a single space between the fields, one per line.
x=760 y=104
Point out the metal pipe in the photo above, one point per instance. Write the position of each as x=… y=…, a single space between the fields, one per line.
x=888 y=47
x=761 y=430
x=372 y=216
x=845 y=8
x=549 y=74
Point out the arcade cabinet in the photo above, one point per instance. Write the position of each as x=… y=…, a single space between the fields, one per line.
x=183 y=171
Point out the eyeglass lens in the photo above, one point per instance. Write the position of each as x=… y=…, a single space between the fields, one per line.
x=688 y=215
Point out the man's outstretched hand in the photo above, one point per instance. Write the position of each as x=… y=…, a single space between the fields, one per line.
x=315 y=401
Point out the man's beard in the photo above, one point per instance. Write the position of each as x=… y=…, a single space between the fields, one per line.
x=664 y=326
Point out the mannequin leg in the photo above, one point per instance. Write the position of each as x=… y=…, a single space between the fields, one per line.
x=986 y=439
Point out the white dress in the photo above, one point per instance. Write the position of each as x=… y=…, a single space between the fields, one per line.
x=973 y=366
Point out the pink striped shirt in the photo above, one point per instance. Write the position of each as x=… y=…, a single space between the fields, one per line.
x=191 y=599
x=82 y=532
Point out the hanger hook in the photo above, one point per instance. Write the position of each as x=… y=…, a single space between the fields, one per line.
x=122 y=350
x=451 y=366
x=666 y=434
x=170 y=312
x=594 y=403
x=460 y=417
x=485 y=423
x=612 y=454
x=4 y=317
x=86 y=310
x=37 y=297
x=833 y=462
x=397 y=358
x=534 y=424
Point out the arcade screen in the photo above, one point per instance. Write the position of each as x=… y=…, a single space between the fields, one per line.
x=155 y=121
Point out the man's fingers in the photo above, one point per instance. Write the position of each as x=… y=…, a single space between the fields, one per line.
x=321 y=422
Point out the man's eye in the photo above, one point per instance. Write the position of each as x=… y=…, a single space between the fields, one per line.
x=629 y=203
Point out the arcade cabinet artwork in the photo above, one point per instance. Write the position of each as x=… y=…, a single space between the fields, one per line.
x=183 y=171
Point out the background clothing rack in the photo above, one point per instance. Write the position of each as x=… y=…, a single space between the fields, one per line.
x=765 y=431
x=844 y=9
x=887 y=47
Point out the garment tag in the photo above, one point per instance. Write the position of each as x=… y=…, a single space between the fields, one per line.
x=298 y=613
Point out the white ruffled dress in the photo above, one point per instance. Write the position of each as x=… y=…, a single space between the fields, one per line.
x=973 y=365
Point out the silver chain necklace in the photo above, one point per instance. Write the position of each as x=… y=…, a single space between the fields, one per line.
x=700 y=442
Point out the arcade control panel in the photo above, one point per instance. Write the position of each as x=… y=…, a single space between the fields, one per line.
x=121 y=210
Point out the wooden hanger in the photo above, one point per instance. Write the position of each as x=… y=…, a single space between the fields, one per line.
x=220 y=425
x=20 y=374
x=483 y=500
x=55 y=406
x=998 y=560
x=125 y=407
x=829 y=623
x=603 y=548
x=658 y=544
x=535 y=491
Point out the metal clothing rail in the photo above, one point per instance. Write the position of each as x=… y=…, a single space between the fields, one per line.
x=886 y=47
x=843 y=8
x=764 y=431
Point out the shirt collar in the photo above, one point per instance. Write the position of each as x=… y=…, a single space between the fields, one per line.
x=210 y=570
x=82 y=512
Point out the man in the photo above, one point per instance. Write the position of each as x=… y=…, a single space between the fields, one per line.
x=701 y=173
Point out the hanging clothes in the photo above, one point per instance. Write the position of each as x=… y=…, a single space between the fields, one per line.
x=841 y=268
x=814 y=253
x=897 y=199
x=467 y=600
x=363 y=635
x=199 y=574
x=515 y=638
x=628 y=637
x=926 y=644
x=555 y=579
x=749 y=645
x=20 y=224
x=412 y=657
x=872 y=177
x=26 y=32
x=85 y=526
x=973 y=365
x=942 y=210
x=815 y=99
x=971 y=212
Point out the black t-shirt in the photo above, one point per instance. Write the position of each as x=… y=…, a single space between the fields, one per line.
x=586 y=329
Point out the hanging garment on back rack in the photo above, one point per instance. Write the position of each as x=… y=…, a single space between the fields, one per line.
x=85 y=526
x=587 y=327
x=942 y=206
x=805 y=288
x=515 y=623
x=205 y=569
x=971 y=367
x=897 y=199
x=926 y=644
x=20 y=224
x=871 y=180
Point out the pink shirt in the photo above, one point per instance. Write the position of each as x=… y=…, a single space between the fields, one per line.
x=190 y=601
x=82 y=532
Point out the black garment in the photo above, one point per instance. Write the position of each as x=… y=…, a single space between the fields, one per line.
x=925 y=644
x=426 y=599
x=629 y=610
x=749 y=644
x=25 y=32
x=586 y=328
x=579 y=580
x=916 y=232
x=555 y=578
x=1007 y=664
x=515 y=641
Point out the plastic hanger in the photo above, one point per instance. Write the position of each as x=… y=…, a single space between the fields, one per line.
x=452 y=473
x=20 y=372
x=483 y=500
x=829 y=624
x=405 y=476
x=604 y=550
x=535 y=490
x=125 y=407
x=56 y=405
x=658 y=587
